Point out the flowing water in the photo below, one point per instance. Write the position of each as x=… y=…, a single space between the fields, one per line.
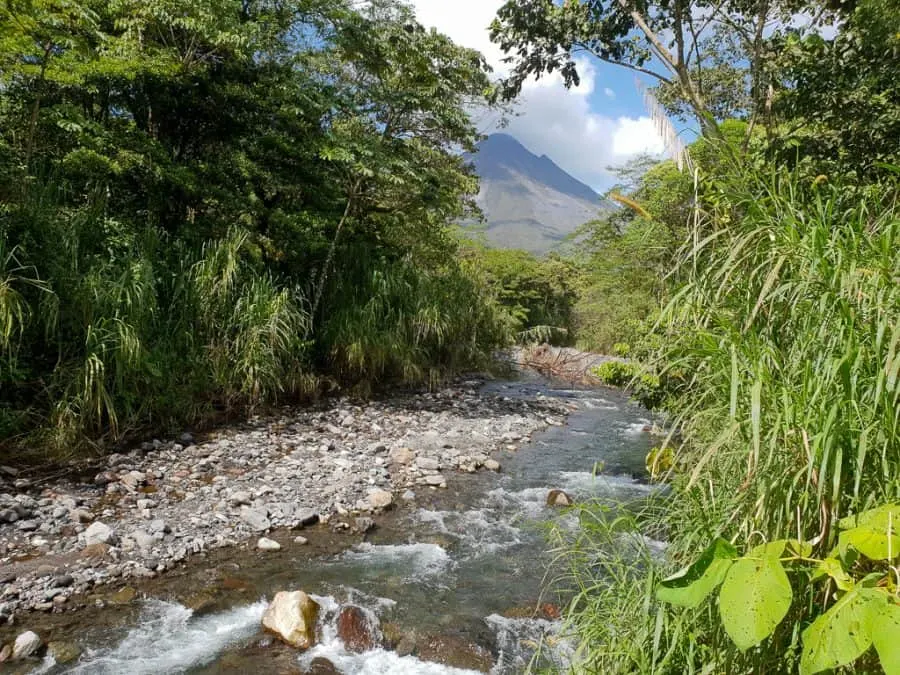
x=453 y=563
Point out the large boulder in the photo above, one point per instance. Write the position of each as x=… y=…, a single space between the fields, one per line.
x=25 y=645
x=291 y=617
x=358 y=629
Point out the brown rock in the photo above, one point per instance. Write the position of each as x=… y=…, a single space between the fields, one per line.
x=401 y=456
x=358 y=629
x=322 y=666
x=456 y=652
x=63 y=652
x=93 y=551
x=559 y=498
x=291 y=617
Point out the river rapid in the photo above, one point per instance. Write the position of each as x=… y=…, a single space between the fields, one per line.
x=456 y=580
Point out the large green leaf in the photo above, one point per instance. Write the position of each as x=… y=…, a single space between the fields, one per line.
x=840 y=635
x=884 y=627
x=877 y=519
x=755 y=596
x=873 y=543
x=690 y=586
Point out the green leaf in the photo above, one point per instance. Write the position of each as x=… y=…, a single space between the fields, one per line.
x=833 y=568
x=884 y=627
x=840 y=635
x=755 y=596
x=878 y=519
x=690 y=586
x=872 y=543
x=799 y=548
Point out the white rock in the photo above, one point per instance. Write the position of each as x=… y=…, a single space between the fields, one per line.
x=291 y=616
x=258 y=519
x=380 y=499
x=241 y=498
x=25 y=645
x=265 y=544
x=302 y=541
x=99 y=533
x=492 y=465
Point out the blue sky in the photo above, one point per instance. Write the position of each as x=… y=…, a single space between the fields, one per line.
x=601 y=123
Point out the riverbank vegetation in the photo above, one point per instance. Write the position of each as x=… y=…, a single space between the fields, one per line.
x=768 y=272
x=208 y=206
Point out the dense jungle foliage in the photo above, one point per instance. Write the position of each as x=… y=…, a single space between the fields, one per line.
x=206 y=206
x=761 y=268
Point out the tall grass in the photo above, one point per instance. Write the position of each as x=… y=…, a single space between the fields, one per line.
x=783 y=342
x=107 y=330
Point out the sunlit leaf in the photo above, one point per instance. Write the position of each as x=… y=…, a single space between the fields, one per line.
x=690 y=586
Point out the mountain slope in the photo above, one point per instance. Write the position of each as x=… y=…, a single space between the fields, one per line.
x=528 y=201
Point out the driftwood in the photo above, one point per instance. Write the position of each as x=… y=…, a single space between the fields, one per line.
x=564 y=363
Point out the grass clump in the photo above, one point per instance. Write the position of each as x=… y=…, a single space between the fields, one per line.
x=783 y=332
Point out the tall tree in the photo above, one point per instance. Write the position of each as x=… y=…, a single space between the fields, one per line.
x=707 y=56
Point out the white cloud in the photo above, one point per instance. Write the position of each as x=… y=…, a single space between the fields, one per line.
x=551 y=120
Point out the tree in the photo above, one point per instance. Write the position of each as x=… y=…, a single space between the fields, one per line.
x=839 y=100
x=677 y=43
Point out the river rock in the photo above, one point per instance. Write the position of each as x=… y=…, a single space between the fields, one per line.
x=427 y=464
x=291 y=617
x=258 y=518
x=401 y=455
x=492 y=465
x=63 y=652
x=456 y=652
x=322 y=666
x=25 y=645
x=241 y=498
x=358 y=629
x=5 y=653
x=436 y=480
x=559 y=498
x=266 y=544
x=99 y=533
x=380 y=499
x=363 y=525
x=143 y=539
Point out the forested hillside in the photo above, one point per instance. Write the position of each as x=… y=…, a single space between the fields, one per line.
x=211 y=205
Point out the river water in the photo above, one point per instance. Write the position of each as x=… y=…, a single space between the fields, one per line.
x=455 y=563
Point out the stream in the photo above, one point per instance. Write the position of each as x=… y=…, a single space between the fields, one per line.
x=451 y=567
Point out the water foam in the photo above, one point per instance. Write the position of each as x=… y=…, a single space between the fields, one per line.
x=423 y=561
x=168 y=640
x=376 y=661
x=479 y=530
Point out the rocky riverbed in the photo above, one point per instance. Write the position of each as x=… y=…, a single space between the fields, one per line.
x=149 y=510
